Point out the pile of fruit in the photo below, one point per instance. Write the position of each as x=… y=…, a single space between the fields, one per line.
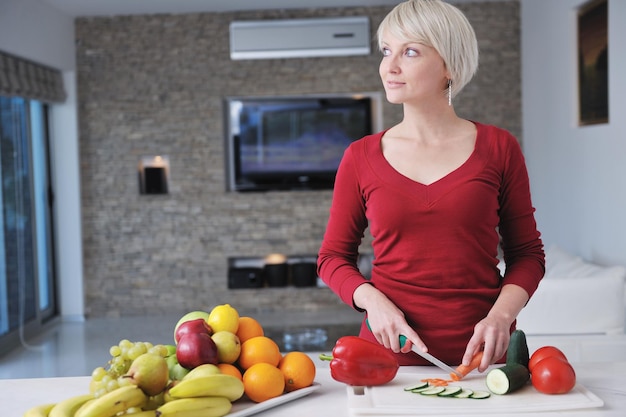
x=218 y=358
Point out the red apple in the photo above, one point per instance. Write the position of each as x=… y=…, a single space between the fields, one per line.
x=192 y=326
x=195 y=349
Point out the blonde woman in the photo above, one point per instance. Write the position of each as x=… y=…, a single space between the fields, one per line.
x=439 y=193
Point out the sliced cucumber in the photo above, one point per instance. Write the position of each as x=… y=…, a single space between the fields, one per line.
x=450 y=391
x=433 y=391
x=480 y=395
x=419 y=385
x=465 y=393
x=419 y=390
x=507 y=379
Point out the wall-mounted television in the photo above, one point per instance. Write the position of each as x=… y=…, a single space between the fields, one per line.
x=293 y=143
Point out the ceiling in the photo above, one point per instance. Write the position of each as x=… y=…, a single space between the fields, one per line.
x=128 y=7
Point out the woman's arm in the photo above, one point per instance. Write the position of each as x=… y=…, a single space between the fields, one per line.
x=492 y=333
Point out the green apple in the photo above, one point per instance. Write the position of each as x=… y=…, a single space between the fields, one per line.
x=228 y=346
x=171 y=350
x=190 y=316
x=176 y=371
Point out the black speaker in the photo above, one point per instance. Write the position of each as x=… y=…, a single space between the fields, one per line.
x=304 y=274
x=245 y=277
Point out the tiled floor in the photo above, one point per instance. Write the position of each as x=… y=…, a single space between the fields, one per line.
x=76 y=348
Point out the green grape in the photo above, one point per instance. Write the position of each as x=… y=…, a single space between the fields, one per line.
x=125 y=343
x=159 y=350
x=112 y=385
x=133 y=353
x=142 y=347
x=98 y=373
x=115 y=351
x=163 y=350
x=112 y=376
x=99 y=392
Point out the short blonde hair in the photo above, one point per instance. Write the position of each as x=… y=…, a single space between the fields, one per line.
x=441 y=26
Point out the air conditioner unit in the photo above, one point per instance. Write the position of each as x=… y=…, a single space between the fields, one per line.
x=291 y=38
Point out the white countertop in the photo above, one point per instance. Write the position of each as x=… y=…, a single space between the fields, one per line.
x=604 y=379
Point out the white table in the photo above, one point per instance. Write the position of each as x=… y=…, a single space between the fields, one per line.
x=606 y=380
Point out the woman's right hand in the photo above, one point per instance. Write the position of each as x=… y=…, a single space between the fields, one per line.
x=386 y=321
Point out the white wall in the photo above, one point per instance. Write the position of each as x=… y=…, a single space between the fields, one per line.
x=40 y=33
x=578 y=174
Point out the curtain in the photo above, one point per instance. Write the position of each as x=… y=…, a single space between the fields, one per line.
x=23 y=78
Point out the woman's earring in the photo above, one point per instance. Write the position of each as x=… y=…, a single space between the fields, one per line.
x=449 y=92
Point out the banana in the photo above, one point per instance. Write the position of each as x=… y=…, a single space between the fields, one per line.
x=114 y=402
x=41 y=410
x=145 y=413
x=218 y=385
x=196 y=407
x=68 y=407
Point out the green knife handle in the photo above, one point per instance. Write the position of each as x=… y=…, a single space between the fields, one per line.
x=402 y=337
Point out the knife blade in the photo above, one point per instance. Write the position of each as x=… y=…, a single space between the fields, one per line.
x=430 y=358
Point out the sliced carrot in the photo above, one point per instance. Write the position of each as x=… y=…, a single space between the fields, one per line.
x=464 y=370
x=436 y=382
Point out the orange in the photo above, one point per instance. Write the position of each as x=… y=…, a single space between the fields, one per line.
x=263 y=381
x=249 y=328
x=259 y=349
x=298 y=369
x=229 y=369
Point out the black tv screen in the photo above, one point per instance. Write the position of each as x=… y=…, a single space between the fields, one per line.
x=288 y=143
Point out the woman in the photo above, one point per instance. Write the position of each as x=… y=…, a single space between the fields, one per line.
x=439 y=194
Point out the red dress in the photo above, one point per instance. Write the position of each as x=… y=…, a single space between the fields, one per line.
x=435 y=246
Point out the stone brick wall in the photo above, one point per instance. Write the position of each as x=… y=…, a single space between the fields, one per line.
x=153 y=85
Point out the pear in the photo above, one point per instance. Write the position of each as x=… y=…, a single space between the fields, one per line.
x=228 y=346
x=150 y=373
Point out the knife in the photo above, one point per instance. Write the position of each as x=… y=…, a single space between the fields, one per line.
x=430 y=358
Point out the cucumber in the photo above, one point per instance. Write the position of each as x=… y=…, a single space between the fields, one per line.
x=418 y=386
x=450 y=391
x=507 y=379
x=517 y=351
x=419 y=390
x=465 y=393
x=433 y=391
x=480 y=395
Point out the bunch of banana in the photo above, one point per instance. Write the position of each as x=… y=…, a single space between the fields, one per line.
x=86 y=405
x=113 y=402
x=202 y=396
x=65 y=408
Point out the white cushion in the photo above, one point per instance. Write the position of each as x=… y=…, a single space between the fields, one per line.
x=576 y=297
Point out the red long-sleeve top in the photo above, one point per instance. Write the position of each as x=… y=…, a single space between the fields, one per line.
x=435 y=246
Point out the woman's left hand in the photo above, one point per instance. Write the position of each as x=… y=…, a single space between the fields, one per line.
x=492 y=336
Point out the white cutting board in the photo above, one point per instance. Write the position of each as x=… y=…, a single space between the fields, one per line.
x=391 y=399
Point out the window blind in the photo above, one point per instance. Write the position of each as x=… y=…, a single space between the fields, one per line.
x=28 y=79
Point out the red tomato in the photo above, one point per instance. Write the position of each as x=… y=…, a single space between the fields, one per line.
x=542 y=353
x=553 y=375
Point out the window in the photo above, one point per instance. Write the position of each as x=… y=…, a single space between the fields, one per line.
x=27 y=282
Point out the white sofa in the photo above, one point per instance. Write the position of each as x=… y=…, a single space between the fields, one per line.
x=579 y=306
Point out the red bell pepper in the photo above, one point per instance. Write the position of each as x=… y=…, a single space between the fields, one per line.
x=359 y=362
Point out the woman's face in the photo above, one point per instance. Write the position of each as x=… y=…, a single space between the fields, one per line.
x=411 y=72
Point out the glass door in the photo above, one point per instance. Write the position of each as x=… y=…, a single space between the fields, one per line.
x=27 y=282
